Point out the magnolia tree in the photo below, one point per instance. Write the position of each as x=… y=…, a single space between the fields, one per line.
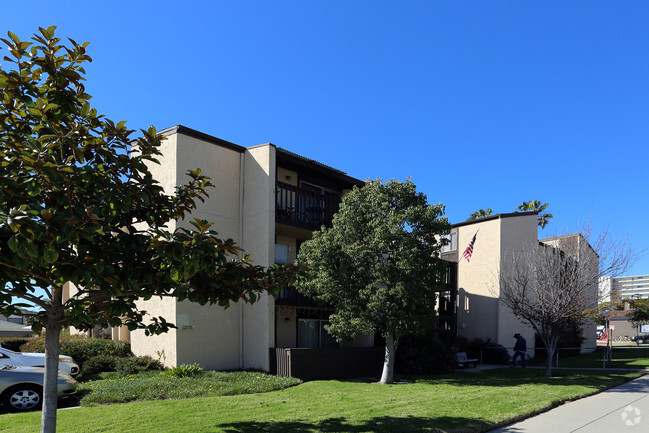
x=78 y=205
x=378 y=265
x=553 y=285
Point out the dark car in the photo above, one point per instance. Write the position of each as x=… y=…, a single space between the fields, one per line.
x=21 y=388
x=642 y=338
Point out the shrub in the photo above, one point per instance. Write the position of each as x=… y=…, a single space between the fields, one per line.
x=99 y=364
x=432 y=352
x=13 y=343
x=184 y=370
x=136 y=364
x=490 y=353
x=82 y=348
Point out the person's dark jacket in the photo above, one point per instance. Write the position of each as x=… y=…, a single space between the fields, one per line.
x=521 y=345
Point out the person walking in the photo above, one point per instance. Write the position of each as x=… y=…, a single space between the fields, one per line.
x=520 y=350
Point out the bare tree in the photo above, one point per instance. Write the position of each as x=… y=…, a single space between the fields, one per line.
x=552 y=284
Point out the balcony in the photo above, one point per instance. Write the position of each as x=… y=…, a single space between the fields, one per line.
x=307 y=208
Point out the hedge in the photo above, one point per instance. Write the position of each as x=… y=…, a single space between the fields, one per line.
x=82 y=348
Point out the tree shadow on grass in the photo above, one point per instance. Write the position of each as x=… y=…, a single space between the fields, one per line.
x=380 y=424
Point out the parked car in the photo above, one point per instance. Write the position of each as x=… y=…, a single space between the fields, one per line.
x=642 y=338
x=24 y=359
x=21 y=388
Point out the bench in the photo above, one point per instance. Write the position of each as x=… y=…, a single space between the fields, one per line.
x=464 y=361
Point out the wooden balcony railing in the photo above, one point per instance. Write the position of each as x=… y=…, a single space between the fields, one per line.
x=304 y=208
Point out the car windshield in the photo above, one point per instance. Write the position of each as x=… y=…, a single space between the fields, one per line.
x=9 y=351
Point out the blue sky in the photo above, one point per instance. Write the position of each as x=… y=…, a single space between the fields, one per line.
x=482 y=103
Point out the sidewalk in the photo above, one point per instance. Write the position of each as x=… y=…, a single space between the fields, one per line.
x=624 y=408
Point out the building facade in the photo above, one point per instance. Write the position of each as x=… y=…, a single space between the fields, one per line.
x=268 y=200
x=479 y=312
x=631 y=287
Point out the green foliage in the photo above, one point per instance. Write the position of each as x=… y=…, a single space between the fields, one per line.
x=488 y=352
x=640 y=313
x=136 y=364
x=81 y=348
x=13 y=343
x=377 y=266
x=480 y=213
x=183 y=370
x=526 y=206
x=99 y=364
x=78 y=204
x=430 y=353
x=157 y=386
x=535 y=205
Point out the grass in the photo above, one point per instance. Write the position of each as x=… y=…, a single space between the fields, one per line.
x=623 y=357
x=151 y=385
x=459 y=402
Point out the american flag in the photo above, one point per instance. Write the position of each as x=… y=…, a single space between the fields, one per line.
x=469 y=250
x=604 y=336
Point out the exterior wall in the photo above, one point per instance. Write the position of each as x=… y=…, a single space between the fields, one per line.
x=576 y=246
x=291 y=243
x=259 y=241
x=623 y=327
x=287 y=176
x=161 y=346
x=286 y=327
x=516 y=233
x=208 y=335
x=605 y=289
x=477 y=312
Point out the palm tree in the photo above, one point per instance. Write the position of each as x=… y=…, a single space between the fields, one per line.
x=536 y=206
x=480 y=214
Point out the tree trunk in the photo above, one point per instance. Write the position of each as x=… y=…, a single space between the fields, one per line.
x=548 y=366
x=50 y=385
x=391 y=342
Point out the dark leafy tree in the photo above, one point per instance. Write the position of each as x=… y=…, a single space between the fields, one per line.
x=378 y=265
x=640 y=311
x=79 y=206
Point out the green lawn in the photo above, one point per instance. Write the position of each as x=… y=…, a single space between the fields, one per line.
x=623 y=357
x=460 y=402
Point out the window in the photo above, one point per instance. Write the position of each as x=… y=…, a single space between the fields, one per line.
x=281 y=254
x=311 y=334
x=452 y=242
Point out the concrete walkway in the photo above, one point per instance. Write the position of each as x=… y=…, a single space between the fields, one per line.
x=622 y=409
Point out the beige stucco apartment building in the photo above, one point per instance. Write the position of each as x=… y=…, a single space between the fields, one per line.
x=480 y=314
x=270 y=200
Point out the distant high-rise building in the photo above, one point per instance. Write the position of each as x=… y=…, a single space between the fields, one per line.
x=636 y=286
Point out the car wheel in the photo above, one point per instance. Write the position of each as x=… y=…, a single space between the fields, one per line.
x=639 y=341
x=23 y=398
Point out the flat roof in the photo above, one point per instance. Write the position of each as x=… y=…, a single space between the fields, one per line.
x=493 y=217
x=282 y=153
